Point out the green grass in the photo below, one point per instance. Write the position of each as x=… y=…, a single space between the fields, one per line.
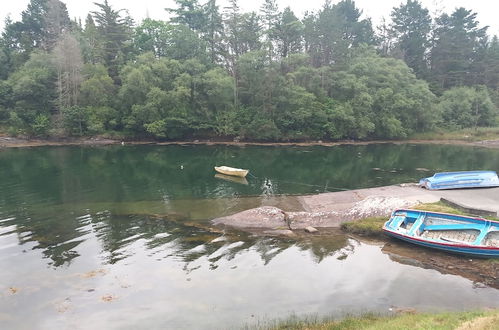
x=468 y=134
x=365 y=227
x=466 y=320
x=439 y=207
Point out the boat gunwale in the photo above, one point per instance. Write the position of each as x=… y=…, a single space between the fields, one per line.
x=460 y=180
x=443 y=213
x=441 y=174
x=232 y=171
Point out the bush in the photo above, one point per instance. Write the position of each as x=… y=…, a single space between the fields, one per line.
x=75 y=120
x=40 y=125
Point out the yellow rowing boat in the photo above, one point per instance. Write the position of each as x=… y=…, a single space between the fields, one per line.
x=231 y=171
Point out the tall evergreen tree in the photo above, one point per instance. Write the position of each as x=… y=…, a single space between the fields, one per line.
x=270 y=16
x=232 y=44
x=213 y=30
x=250 y=32
x=334 y=31
x=289 y=33
x=411 y=24
x=456 y=41
x=114 y=33
x=93 y=44
x=351 y=30
x=490 y=66
x=189 y=13
x=56 y=23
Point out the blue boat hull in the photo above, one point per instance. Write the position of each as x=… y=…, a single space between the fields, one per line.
x=464 y=250
x=452 y=233
x=459 y=180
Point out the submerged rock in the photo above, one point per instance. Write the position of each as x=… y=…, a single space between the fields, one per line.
x=311 y=229
x=260 y=217
x=279 y=232
x=273 y=218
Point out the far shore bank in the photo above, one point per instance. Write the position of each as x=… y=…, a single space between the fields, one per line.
x=19 y=142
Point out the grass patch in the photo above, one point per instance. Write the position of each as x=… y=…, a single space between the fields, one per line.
x=468 y=134
x=372 y=226
x=439 y=207
x=457 y=320
x=365 y=227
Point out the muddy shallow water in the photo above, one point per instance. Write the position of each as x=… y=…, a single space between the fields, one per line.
x=113 y=237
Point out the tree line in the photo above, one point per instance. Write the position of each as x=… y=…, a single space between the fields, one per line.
x=211 y=72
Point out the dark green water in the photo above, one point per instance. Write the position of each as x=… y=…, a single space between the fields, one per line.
x=119 y=237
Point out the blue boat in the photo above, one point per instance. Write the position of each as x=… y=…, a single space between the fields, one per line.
x=465 y=179
x=449 y=232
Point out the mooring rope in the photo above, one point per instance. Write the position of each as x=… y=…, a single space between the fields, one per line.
x=304 y=184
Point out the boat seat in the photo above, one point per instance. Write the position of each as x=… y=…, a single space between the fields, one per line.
x=458 y=226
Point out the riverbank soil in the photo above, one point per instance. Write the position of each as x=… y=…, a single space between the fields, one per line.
x=9 y=141
x=15 y=142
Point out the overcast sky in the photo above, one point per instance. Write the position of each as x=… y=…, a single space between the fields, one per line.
x=376 y=9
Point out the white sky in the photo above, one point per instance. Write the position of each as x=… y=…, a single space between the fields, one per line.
x=376 y=9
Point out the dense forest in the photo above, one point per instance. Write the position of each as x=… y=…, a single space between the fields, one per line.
x=211 y=72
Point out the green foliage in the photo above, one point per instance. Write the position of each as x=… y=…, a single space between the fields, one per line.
x=5 y=99
x=261 y=129
x=288 y=33
x=33 y=92
x=334 y=31
x=385 y=97
x=75 y=120
x=403 y=320
x=40 y=125
x=412 y=26
x=16 y=124
x=114 y=33
x=236 y=74
x=98 y=88
x=101 y=119
x=463 y=107
x=153 y=36
x=457 y=41
x=188 y=13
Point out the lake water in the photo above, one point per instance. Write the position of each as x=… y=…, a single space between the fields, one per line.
x=118 y=237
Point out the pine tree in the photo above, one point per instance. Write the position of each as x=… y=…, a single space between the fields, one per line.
x=411 y=24
x=115 y=32
x=289 y=33
x=456 y=41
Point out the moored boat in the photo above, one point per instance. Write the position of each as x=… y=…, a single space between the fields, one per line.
x=231 y=171
x=448 y=232
x=464 y=179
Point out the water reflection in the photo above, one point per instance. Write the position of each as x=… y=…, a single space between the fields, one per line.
x=185 y=241
x=56 y=197
x=81 y=227
x=482 y=272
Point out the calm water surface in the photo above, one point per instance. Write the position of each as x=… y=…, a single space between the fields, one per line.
x=119 y=237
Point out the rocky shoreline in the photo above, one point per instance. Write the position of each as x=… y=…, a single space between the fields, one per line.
x=10 y=142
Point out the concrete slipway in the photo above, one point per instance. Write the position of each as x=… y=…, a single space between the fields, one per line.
x=332 y=209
